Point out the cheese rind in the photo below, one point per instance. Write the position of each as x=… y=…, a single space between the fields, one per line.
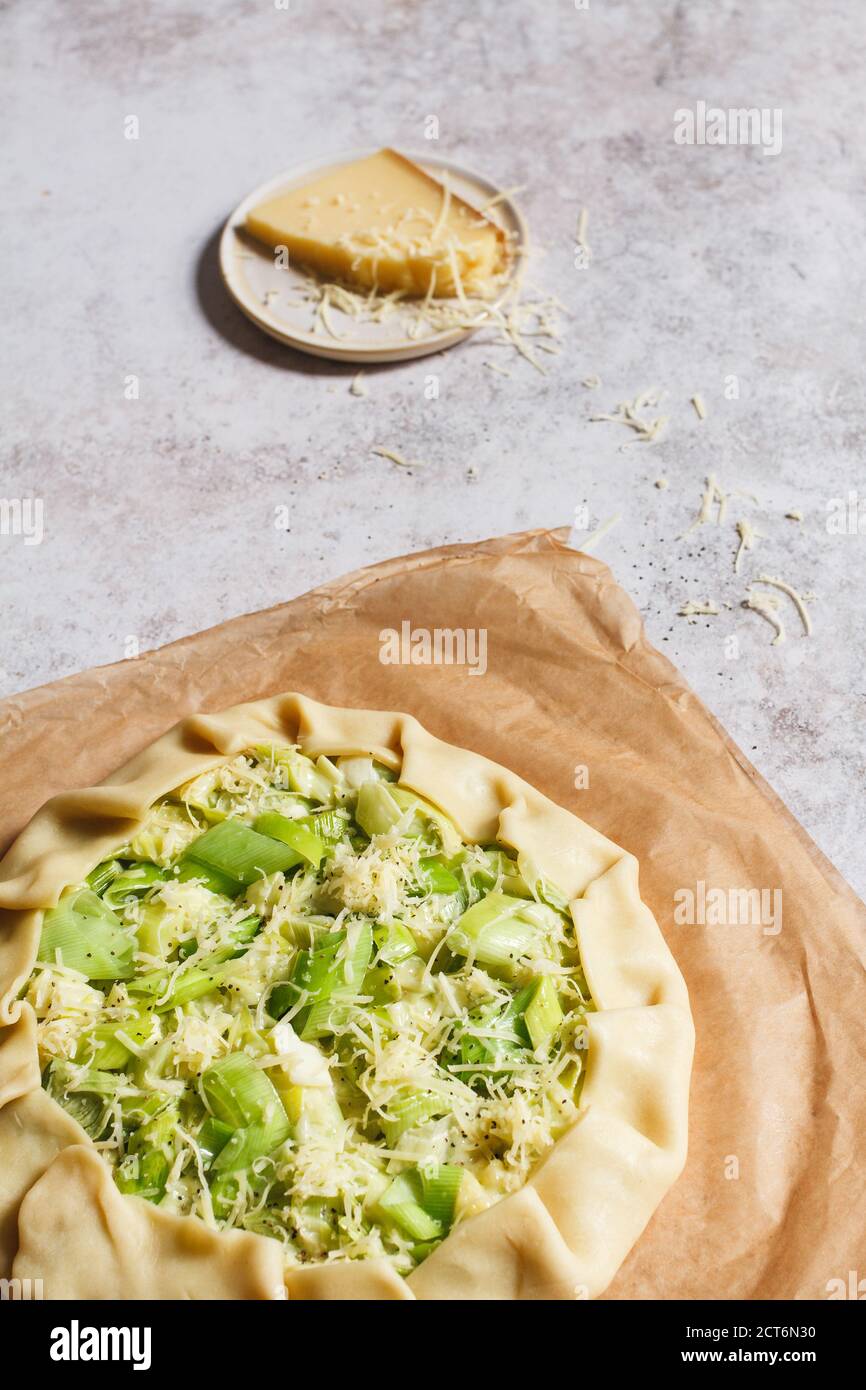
x=384 y=222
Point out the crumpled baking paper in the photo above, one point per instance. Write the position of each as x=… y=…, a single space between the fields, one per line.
x=772 y=1203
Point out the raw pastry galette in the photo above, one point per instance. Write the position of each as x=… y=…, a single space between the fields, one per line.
x=342 y=988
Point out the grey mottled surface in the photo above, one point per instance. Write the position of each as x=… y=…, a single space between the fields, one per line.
x=708 y=263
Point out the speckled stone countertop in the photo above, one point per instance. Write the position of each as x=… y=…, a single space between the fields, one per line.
x=720 y=270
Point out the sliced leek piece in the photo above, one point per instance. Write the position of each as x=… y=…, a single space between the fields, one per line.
x=84 y=934
x=438 y=877
x=240 y=853
x=240 y=1095
x=544 y=1014
x=133 y=883
x=377 y=811
x=412 y=1108
x=399 y=1203
x=306 y=845
x=440 y=1188
x=491 y=932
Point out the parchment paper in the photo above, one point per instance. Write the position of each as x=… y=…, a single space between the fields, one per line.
x=773 y=1200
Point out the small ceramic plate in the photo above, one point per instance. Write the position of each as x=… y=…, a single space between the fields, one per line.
x=273 y=297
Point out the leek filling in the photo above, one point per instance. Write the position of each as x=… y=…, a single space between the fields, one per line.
x=296 y=1002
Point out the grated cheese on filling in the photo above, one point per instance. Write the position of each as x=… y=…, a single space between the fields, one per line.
x=386 y=1042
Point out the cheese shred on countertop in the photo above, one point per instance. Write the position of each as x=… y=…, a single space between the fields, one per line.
x=628 y=413
x=795 y=597
x=394 y=457
x=767 y=606
x=748 y=535
x=693 y=610
x=589 y=542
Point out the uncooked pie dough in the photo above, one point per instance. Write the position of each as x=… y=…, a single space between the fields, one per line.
x=304 y=1002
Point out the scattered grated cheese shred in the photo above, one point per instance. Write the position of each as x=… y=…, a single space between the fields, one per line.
x=628 y=413
x=590 y=541
x=795 y=597
x=712 y=496
x=523 y=319
x=767 y=606
x=748 y=535
x=693 y=610
x=444 y=210
x=580 y=237
x=502 y=197
x=400 y=459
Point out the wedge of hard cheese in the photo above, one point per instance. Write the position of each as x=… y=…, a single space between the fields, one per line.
x=383 y=222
